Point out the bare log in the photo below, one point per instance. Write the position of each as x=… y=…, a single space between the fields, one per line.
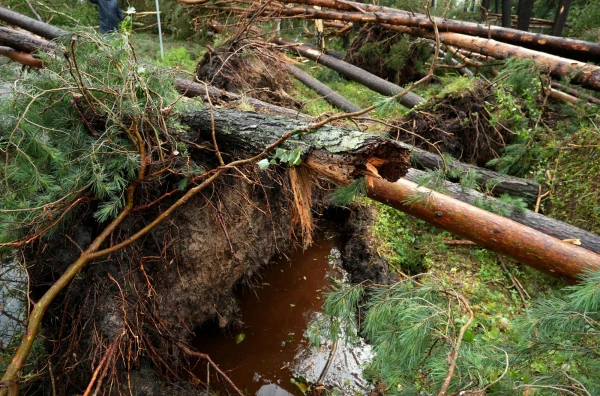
x=33 y=25
x=577 y=49
x=21 y=41
x=576 y=93
x=357 y=74
x=547 y=225
x=193 y=89
x=327 y=93
x=342 y=155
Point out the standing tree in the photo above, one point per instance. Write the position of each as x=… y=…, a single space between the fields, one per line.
x=524 y=12
x=560 y=19
x=506 y=13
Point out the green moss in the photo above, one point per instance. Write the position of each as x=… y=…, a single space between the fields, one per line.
x=575 y=195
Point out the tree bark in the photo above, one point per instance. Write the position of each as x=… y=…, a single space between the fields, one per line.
x=547 y=225
x=33 y=25
x=342 y=155
x=571 y=48
x=506 y=14
x=524 y=12
x=349 y=153
x=560 y=20
x=357 y=74
x=576 y=93
x=326 y=93
x=23 y=42
x=192 y=89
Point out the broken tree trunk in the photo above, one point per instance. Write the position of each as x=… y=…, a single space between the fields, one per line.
x=23 y=42
x=342 y=155
x=193 y=89
x=33 y=25
x=357 y=74
x=572 y=48
x=326 y=93
x=547 y=225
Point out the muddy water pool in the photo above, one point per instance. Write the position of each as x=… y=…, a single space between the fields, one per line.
x=259 y=356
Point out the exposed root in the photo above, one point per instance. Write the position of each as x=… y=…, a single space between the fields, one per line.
x=301 y=180
x=389 y=55
x=249 y=68
x=458 y=123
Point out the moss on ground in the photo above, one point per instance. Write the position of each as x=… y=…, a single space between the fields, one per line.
x=412 y=246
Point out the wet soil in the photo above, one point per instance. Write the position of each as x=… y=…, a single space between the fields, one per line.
x=275 y=314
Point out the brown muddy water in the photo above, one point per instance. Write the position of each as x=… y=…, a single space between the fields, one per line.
x=275 y=314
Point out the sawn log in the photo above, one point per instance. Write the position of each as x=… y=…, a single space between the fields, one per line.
x=342 y=155
x=33 y=25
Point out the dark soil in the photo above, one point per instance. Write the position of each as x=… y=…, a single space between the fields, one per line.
x=458 y=124
x=250 y=69
x=389 y=55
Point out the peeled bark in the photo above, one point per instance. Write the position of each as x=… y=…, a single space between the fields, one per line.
x=357 y=74
x=33 y=25
x=342 y=155
x=572 y=48
x=547 y=225
x=23 y=42
x=327 y=93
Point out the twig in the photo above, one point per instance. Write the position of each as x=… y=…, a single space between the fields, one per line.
x=514 y=281
x=453 y=356
x=206 y=357
x=329 y=361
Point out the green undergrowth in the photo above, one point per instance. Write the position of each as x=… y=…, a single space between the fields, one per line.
x=358 y=94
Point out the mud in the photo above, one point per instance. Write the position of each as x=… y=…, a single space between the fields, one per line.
x=260 y=351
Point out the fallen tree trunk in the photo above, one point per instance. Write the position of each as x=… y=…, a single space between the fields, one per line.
x=342 y=155
x=33 y=25
x=587 y=75
x=193 y=89
x=357 y=74
x=578 y=49
x=23 y=42
x=21 y=57
x=547 y=225
x=326 y=93
x=576 y=93
x=525 y=189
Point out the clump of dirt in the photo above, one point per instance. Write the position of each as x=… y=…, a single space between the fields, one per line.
x=389 y=55
x=248 y=68
x=457 y=123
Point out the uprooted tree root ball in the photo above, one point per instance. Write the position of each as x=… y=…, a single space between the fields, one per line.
x=458 y=123
x=389 y=55
x=250 y=68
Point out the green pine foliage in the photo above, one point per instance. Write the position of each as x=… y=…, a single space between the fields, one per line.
x=413 y=325
x=67 y=133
